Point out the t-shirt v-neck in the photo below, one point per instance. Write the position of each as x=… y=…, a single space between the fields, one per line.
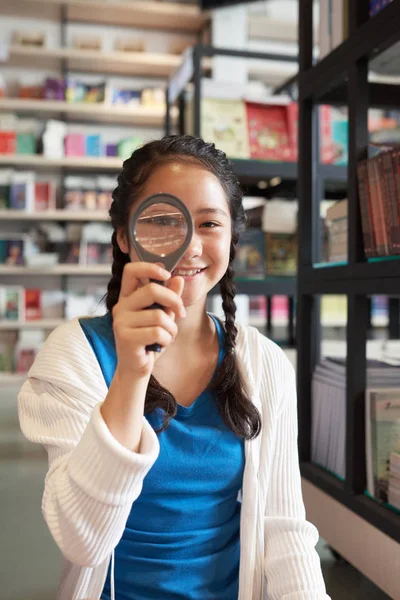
x=205 y=396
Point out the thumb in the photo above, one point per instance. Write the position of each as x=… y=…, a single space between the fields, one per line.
x=176 y=284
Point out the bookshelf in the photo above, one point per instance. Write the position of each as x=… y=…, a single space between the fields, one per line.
x=46 y=324
x=37 y=161
x=54 y=215
x=147 y=15
x=345 y=68
x=139 y=116
x=148 y=64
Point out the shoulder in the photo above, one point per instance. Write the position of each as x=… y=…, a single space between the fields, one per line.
x=66 y=360
x=263 y=359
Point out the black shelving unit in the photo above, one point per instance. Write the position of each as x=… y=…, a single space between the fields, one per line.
x=248 y=171
x=342 y=75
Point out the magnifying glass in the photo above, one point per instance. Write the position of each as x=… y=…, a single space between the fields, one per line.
x=161 y=229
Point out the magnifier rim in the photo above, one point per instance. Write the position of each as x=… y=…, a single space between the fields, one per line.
x=150 y=201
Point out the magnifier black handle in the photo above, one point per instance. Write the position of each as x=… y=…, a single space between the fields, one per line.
x=155 y=347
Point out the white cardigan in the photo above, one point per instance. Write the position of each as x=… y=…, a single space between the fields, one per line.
x=93 y=480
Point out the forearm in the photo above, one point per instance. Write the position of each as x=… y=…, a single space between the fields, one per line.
x=123 y=408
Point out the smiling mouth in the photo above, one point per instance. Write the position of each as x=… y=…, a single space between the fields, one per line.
x=187 y=272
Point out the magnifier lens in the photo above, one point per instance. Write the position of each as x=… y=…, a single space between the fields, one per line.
x=161 y=229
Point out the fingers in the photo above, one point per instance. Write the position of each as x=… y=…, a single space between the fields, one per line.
x=144 y=336
x=150 y=318
x=135 y=272
x=154 y=293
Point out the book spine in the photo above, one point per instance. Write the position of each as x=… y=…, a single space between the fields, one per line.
x=396 y=195
x=385 y=172
x=383 y=218
x=324 y=31
x=364 y=208
x=374 y=206
x=337 y=23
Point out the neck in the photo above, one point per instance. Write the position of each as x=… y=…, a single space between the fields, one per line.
x=195 y=326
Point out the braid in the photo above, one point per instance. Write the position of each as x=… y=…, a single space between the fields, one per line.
x=236 y=408
x=228 y=291
x=114 y=285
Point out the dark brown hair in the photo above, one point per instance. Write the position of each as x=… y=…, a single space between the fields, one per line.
x=236 y=408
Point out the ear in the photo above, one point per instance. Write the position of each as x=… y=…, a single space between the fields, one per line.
x=122 y=241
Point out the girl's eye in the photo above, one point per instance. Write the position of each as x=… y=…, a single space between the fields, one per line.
x=209 y=224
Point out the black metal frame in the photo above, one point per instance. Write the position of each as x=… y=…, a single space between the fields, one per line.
x=342 y=75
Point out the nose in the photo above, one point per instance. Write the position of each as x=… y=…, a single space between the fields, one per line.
x=194 y=249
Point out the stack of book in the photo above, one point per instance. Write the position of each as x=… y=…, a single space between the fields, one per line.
x=382 y=412
x=328 y=447
x=336 y=217
x=379 y=193
x=394 y=481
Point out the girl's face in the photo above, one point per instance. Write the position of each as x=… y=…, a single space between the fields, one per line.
x=207 y=257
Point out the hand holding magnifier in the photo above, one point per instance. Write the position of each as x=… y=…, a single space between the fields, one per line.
x=161 y=229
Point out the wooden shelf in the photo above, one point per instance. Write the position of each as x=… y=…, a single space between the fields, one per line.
x=42 y=324
x=147 y=15
x=145 y=116
x=149 y=64
x=54 y=215
x=57 y=270
x=68 y=162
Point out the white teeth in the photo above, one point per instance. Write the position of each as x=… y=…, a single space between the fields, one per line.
x=187 y=273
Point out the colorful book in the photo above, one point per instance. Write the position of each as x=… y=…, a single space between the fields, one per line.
x=382 y=415
x=268 y=132
x=250 y=255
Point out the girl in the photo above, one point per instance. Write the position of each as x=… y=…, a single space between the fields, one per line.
x=172 y=476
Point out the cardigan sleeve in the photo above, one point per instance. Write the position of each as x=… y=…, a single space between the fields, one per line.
x=92 y=480
x=292 y=565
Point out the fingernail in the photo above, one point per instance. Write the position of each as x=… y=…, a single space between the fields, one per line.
x=183 y=312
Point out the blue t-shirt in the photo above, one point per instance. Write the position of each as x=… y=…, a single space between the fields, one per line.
x=181 y=539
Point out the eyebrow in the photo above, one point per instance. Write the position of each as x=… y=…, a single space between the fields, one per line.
x=216 y=211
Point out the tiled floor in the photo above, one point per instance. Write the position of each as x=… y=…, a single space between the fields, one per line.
x=29 y=559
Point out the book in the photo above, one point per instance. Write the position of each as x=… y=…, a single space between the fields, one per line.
x=336 y=217
x=12 y=249
x=33 y=304
x=281 y=252
x=268 y=132
x=366 y=209
x=11 y=303
x=45 y=195
x=250 y=255
x=22 y=190
x=224 y=123
x=382 y=415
